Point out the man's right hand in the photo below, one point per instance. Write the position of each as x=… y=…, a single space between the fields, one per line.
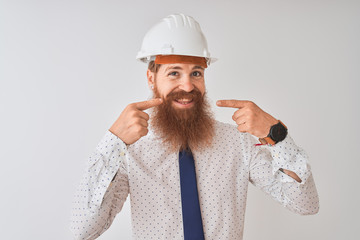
x=133 y=122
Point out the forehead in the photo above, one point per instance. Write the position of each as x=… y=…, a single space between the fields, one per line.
x=179 y=66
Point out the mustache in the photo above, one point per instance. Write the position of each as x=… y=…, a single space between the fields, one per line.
x=195 y=95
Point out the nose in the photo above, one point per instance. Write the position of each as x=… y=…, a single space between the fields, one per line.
x=186 y=84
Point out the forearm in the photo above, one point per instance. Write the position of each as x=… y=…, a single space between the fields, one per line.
x=301 y=198
x=283 y=172
x=102 y=191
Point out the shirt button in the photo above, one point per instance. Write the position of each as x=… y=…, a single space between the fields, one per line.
x=122 y=154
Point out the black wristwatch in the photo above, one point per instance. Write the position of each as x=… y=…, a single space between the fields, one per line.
x=277 y=133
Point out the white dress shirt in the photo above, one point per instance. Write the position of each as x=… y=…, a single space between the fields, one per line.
x=149 y=172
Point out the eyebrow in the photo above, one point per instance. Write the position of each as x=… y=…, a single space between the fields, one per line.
x=198 y=67
x=173 y=67
x=180 y=68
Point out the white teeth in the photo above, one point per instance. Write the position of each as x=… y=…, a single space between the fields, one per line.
x=184 y=101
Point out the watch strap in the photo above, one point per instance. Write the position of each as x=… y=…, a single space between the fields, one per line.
x=266 y=141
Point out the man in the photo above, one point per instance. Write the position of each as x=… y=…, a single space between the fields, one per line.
x=187 y=174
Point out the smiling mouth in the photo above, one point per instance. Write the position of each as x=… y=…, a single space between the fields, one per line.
x=184 y=101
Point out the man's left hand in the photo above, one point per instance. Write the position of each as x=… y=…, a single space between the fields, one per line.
x=249 y=117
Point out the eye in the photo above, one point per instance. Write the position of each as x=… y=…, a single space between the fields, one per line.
x=196 y=74
x=173 y=73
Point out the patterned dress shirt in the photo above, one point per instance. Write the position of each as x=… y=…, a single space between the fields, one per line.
x=149 y=173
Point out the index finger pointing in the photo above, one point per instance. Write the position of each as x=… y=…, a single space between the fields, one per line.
x=148 y=104
x=231 y=103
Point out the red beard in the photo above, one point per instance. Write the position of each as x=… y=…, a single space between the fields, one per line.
x=184 y=128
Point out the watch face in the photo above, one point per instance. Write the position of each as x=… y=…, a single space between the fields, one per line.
x=278 y=132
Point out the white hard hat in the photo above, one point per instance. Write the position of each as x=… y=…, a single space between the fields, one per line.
x=177 y=34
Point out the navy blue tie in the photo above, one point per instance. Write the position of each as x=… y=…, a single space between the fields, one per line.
x=193 y=228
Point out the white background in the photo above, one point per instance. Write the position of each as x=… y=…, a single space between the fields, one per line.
x=68 y=68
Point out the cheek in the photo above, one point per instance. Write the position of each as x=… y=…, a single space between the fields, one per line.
x=201 y=86
x=164 y=89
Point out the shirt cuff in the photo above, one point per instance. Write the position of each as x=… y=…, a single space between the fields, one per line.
x=109 y=143
x=287 y=155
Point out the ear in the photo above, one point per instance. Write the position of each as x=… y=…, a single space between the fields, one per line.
x=151 y=78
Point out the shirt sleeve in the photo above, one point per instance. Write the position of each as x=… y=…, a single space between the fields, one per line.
x=265 y=164
x=103 y=189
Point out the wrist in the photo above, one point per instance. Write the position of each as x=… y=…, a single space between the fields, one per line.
x=277 y=133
